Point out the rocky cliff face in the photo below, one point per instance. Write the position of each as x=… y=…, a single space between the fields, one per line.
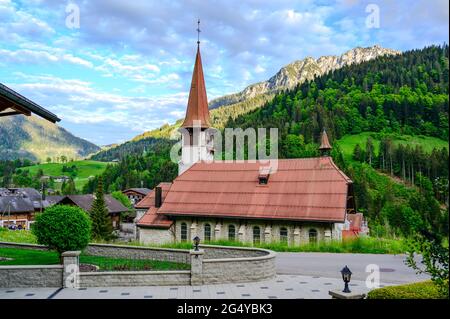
x=299 y=71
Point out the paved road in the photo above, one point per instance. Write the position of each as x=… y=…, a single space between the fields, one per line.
x=281 y=287
x=392 y=267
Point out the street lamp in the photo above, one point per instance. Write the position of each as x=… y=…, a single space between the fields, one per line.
x=346 y=276
x=196 y=242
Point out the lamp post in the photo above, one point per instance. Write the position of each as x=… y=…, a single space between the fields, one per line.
x=196 y=242
x=346 y=276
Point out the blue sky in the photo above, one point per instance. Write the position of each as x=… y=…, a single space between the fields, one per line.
x=127 y=69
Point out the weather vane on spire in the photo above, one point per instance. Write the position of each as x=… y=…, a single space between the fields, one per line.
x=198 y=31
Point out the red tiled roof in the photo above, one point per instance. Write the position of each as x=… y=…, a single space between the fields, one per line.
x=300 y=189
x=152 y=219
x=141 y=191
x=149 y=199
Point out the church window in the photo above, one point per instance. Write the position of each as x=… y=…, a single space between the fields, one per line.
x=183 y=232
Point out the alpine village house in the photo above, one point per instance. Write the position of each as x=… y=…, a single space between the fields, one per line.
x=305 y=200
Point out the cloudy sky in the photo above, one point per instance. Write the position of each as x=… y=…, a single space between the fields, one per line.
x=127 y=68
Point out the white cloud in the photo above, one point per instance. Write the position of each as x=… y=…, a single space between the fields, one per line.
x=76 y=60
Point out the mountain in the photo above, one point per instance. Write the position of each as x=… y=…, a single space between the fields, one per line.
x=255 y=95
x=300 y=71
x=36 y=139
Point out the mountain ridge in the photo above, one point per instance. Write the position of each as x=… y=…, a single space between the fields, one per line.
x=299 y=71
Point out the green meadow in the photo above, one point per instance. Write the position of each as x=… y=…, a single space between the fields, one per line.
x=348 y=142
x=84 y=170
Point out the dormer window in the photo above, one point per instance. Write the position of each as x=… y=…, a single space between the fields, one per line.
x=263 y=176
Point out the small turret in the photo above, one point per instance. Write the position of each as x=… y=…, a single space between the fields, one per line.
x=325 y=146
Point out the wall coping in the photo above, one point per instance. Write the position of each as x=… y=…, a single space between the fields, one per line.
x=185 y=251
x=22 y=244
x=148 y=248
x=157 y=272
x=31 y=267
x=71 y=253
x=269 y=256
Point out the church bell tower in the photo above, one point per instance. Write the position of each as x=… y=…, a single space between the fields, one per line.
x=196 y=132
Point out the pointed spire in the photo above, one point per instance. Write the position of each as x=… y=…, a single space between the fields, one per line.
x=197 y=108
x=325 y=145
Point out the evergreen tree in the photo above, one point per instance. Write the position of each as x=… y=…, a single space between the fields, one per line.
x=101 y=223
x=369 y=150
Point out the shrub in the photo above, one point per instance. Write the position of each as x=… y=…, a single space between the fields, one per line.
x=435 y=258
x=419 y=290
x=63 y=228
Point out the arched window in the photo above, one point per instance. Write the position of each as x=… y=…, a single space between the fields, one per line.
x=256 y=235
x=313 y=236
x=283 y=235
x=183 y=232
x=207 y=232
x=231 y=232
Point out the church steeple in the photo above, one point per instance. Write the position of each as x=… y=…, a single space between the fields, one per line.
x=196 y=132
x=197 y=108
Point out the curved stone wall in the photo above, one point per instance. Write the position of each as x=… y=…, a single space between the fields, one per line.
x=215 y=264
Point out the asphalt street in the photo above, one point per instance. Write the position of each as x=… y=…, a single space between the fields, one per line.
x=392 y=267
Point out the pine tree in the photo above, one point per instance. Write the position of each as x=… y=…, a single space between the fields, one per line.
x=101 y=223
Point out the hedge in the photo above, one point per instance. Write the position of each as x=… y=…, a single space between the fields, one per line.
x=419 y=290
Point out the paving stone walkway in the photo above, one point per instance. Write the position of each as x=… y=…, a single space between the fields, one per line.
x=281 y=287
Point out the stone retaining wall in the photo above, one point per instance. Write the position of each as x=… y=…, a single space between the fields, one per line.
x=31 y=276
x=134 y=278
x=5 y=244
x=211 y=265
x=136 y=252
x=217 y=271
x=221 y=252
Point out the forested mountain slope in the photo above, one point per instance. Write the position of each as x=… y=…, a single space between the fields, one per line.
x=36 y=139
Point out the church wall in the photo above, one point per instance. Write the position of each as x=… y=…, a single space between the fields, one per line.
x=297 y=232
x=155 y=236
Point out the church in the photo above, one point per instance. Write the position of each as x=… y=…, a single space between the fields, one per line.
x=304 y=200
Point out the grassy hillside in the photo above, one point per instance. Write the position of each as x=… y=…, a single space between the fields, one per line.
x=348 y=142
x=84 y=169
x=36 y=139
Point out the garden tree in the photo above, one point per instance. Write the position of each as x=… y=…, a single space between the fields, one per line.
x=121 y=197
x=48 y=160
x=68 y=187
x=62 y=228
x=101 y=222
x=63 y=158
